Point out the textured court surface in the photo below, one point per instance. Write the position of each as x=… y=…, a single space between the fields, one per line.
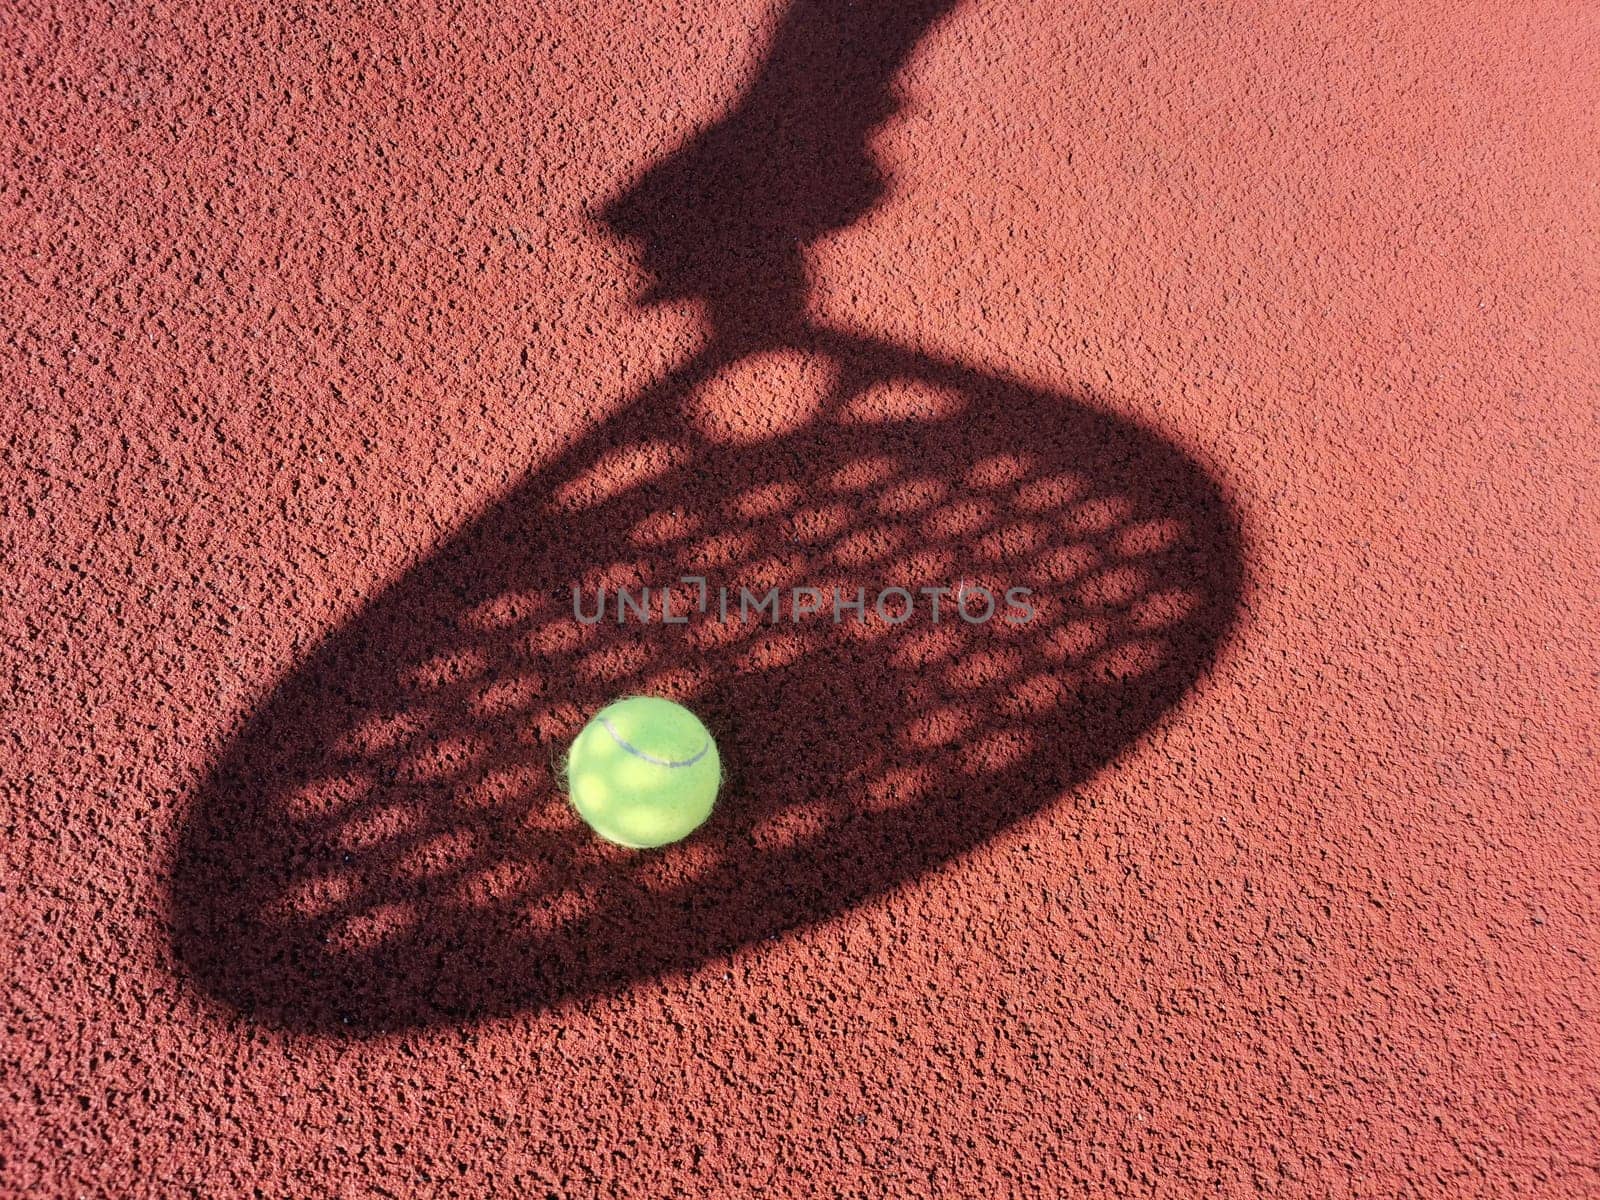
x=339 y=343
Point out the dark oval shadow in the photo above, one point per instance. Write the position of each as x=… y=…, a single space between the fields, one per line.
x=385 y=844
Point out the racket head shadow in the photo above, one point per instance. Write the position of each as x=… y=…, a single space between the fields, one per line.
x=385 y=843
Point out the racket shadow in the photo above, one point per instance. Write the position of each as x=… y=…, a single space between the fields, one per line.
x=385 y=843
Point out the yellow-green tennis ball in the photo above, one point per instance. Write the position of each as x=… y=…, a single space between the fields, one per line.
x=644 y=772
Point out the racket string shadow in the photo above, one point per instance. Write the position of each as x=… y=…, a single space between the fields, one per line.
x=386 y=845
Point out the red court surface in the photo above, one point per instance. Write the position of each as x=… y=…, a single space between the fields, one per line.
x=1260 y=343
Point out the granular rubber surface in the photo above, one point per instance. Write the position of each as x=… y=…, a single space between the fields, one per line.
x=343 y=344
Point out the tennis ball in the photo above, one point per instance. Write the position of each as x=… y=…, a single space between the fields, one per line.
x=644 y=772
